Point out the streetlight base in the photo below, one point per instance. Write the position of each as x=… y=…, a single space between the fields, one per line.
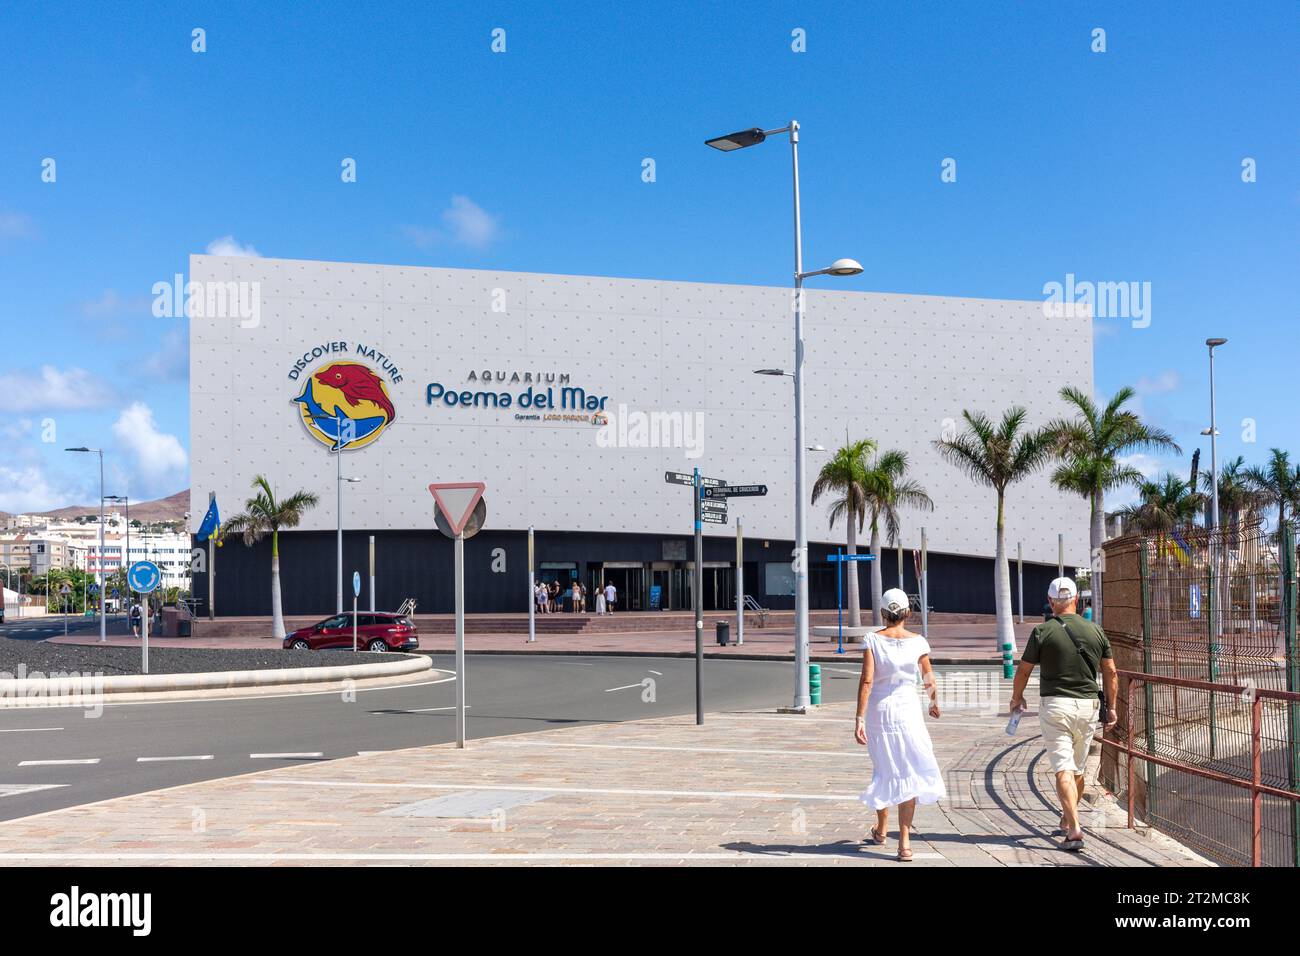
x=796 y=710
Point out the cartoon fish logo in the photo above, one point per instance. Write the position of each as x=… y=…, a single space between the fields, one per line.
x=345 y=406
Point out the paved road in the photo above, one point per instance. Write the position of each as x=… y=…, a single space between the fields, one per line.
x=43 y=628
x=133 y=748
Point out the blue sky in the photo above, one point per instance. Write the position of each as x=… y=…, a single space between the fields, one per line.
x=1122 y=166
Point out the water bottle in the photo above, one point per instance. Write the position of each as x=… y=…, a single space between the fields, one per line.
x=1014 y=723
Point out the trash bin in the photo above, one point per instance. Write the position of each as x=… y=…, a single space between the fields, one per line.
x=183 y=627
x=723 y=633
x=814 y=683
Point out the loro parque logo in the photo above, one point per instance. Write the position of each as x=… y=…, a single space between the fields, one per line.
x=345 y=404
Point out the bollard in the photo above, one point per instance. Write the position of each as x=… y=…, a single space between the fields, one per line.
x=1008 y=669
x=814 y=683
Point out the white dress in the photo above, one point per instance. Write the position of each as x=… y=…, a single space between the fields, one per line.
x=902 y=757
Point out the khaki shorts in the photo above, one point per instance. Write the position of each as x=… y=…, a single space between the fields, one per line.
x=1068 y=724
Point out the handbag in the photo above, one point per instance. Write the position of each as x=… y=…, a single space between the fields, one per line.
x=1104 y=712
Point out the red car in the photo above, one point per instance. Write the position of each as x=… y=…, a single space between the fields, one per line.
x=378 y=631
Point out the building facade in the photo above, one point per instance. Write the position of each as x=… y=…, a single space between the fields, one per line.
x=571 y=398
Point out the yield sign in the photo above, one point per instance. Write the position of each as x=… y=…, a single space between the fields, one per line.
x=456 y=500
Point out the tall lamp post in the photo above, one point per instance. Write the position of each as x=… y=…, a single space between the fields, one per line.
x=126 y=554
x=103 y=623
x=1216 y=609
x=840 y=267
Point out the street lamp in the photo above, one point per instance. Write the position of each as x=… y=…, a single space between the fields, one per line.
x=840 y=267
x=1213 y=433
x=126 y=555
x=103 y=623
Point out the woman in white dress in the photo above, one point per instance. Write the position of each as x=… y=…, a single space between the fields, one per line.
x=600 y=600
x=891 y=726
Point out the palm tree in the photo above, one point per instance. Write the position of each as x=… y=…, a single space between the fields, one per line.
x=887 y=490
x=844 y=475
x=262 y=514
x=1164 y=505
x=1278 y=483
x=1091 y=446
x=998 y=455
x=1239 y=498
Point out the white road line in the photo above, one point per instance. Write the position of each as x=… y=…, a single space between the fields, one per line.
x=658 y=673
x=623 y=791
x=293 y=756
x=610 y=690
x=57 y=763
x=690 y=750
x=162 y=759
x=416 y=710
x=26 y=730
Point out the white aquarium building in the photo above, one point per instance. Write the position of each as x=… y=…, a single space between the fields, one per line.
x=571 y=397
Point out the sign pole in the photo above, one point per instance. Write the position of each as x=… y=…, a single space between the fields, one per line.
x=925 y=588
x=699 y=600
x=354 y=624
x=740 y=585
x=1020 y=579
x=839 y=596
x=212 y=565
x=144 y=637
x=460 y=640
x=1060 y=555
x=532 y=591
x=372 y=574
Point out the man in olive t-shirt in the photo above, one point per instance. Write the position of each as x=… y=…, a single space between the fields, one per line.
x=1072 y=652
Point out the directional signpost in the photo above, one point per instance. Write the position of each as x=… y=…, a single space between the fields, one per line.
x=840 y=558
x=143 y=578
x=460 y=514
x=710 y=496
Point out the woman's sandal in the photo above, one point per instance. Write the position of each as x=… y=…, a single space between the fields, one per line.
x=904 y=855
x=877 y=838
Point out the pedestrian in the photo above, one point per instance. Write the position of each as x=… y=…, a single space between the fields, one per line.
x=611 y=596
x=1073 y=653
x=890 y=724
x=579 y=598
x=539 y=595
x=600 y=600
x=135 y=619
x=554 y=596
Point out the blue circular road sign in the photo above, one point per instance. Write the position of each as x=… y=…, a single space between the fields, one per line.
x=356 y=584
x=144 y=577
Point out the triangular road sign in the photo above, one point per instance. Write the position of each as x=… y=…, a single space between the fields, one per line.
x=456 y=500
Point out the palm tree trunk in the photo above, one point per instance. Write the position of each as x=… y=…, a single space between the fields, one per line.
x=1097 y=534
x=277 y=615
x=850 y=570
x=876 y=584
x=1002 y=585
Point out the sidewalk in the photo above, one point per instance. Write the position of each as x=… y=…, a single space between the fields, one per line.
x=951 y=643
x=745 y=788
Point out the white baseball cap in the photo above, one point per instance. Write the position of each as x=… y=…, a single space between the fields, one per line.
x=895 y=601
x=1062 y=589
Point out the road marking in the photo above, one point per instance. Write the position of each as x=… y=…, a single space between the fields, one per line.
x=57 y=763
x=371 y=753
x=413 y=710
x=290 y=756
x=26 y=730
x=690 y=750
x=619 y=791
x=18 y=789
x=657 y=673
x=610 y=690
x=161 y=759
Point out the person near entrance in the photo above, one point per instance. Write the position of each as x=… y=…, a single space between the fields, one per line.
x=1073 y=653
x=539 y=595
x=600 y=599
x=611 y=596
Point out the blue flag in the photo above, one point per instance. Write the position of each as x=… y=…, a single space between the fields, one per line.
x=211 y=522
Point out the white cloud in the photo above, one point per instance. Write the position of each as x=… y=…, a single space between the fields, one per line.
x=230 y=246
x=171 y=361
x=27 y=489
x=52 y=389
x=1166 y=381
x=158 y=457
x=465 y=223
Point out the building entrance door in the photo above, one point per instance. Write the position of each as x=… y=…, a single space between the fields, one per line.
x=629 y=582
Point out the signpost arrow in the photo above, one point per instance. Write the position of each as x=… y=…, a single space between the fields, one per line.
x=735 y=491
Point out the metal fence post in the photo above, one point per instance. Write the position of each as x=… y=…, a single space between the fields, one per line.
x=1144 y=565
x=1287 y=557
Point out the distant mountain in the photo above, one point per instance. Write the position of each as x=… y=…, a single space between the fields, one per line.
x=171 y=508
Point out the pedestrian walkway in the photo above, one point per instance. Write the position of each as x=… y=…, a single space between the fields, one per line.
x=747 y=788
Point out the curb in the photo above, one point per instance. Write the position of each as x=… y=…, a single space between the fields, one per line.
x=211 y=683
x=830 y=658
